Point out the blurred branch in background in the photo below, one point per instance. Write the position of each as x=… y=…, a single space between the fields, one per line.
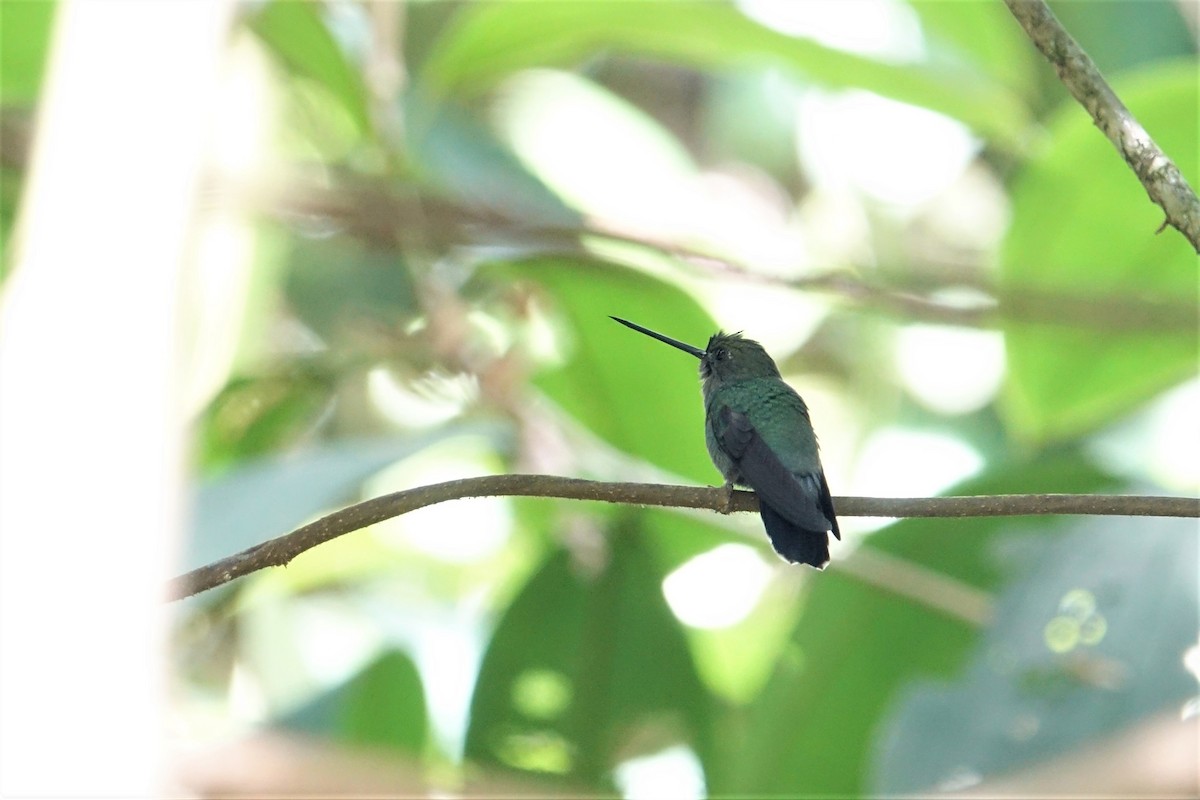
x=387 y=218
x=279 y=551
x=392 y=219
x=1163 y=181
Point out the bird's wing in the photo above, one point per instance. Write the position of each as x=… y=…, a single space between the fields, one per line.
x=803 y=500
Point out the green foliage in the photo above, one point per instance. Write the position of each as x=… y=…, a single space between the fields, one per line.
x=856 y=646
x=257 y=415
x=383 y=706
x=610 y=381
x=301 y=39
x=1094 y=239
x=1079 y=648
x=586 y=666
x=492 y=40
x=24 y=39
x=422 y=284
x=340 y=286
x=460 y=159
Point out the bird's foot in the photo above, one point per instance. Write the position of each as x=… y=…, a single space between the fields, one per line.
x=726 y=498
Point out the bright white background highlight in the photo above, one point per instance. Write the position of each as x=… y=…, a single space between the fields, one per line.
x=898 y=462
x=950 y=370
x=893 y=152
x=674 y=773
x=718 y=588
x=884 y=29
x=91 y=429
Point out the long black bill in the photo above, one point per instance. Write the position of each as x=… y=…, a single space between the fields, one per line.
x=687 y=348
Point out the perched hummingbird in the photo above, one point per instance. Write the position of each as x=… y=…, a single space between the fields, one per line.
x=759 y=435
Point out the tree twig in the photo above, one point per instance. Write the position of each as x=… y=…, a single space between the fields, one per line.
x=279 y=551
x=1161 y=178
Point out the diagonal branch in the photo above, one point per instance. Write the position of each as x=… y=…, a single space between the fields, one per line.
x=279 y=551
x=1162 y=179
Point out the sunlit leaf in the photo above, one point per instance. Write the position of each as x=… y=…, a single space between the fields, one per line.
x=256 y=414
x=24 y=40
x=298 y=35
x=1083 y=226
x=953 y=32
x=492 y=40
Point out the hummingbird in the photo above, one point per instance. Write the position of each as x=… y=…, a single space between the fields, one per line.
x=759 y=435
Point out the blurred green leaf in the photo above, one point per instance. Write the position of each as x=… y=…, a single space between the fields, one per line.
x=857 y=646
x=339 y=285
x=640 y=396
x=1082 y=225
x=1121 y=35
x=268 y=497
x=383 y=705
x=456 y=155
x=770 y=143
x=24 y=42
x=1004 y=54
x=10 y=198
x=586 y=668
x=492 y=40
x=257 y=414
x=677 y=536
x=301 y=40
x=1089 y=643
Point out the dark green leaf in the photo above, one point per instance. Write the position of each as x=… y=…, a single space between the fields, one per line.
x=640 y=396
x=586 y=668
x=385 y=705
x=382 y=706
x=459 y=157
x=1089 y=643
x=341 y=285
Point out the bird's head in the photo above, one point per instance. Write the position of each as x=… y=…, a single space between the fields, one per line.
x=728 y=357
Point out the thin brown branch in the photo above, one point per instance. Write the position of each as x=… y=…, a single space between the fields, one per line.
x=278 y=552
x=1163 y=181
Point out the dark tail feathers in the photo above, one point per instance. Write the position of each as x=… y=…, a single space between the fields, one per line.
x=796 y=544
